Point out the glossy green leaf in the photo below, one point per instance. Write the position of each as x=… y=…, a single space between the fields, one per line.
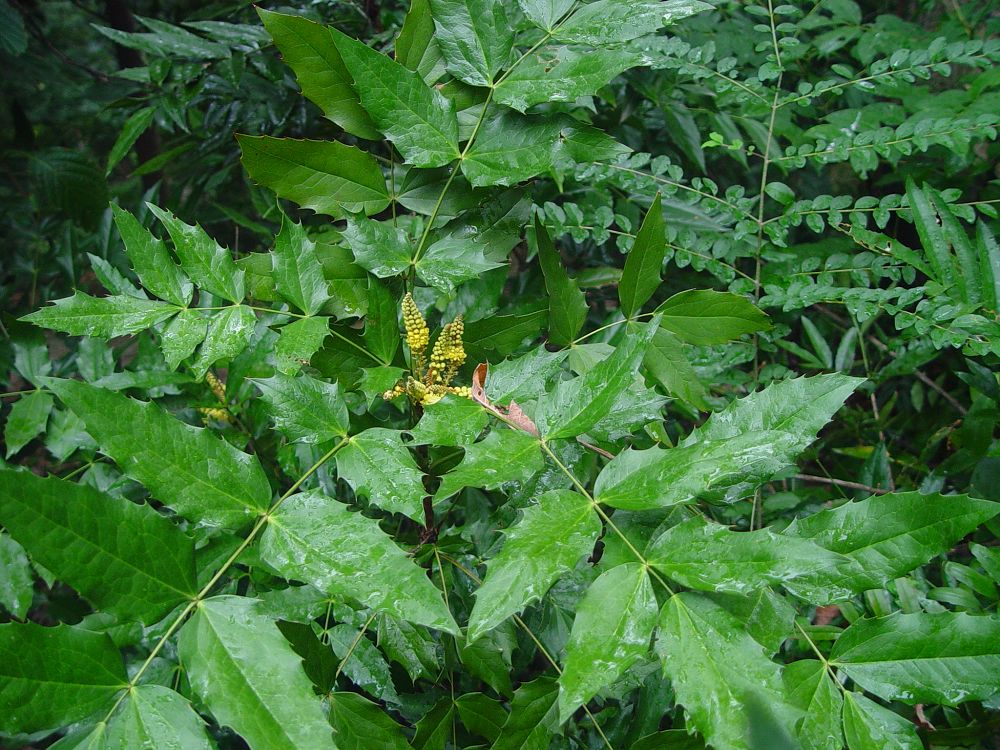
x=104 y=317
x=567 y=304
x=381 y=335
x=988 y=251
x=136 y=124
x=298 y=342
x=151 y=260
x=644 y=262
x=718 y=672
x=305 y=409
x=228 y=334
x=181 y=336
x=308 y=49
x=298 y=275
x=562 y=74
x=378 y=247
x=709 y=557
x=475 y=38
x=53 y=677
x=931 y=234
x=410 y=646
x=26 y=420
x=359 y=724
x=703 y=316
x=435 y=727
x=524 y=377
x=326 y=176
x=363 y=663
x=208 y=264
x=199 y=475
x=576 y=405
x=545 y=13
x=16 y=577
x=315 y=539
x=503 y=456
x=890 y=535
x=611 y=632
x=418 y=119
x=548 y=541
x=245 y=672
x=533 y=717
x=155 y=716
x=667 y=363
x=869 y=726
x=449 y=262
x=970 y=285
x=453 y=421
x=481 y=715
x=378 y=466
x=510 y=148
x=945 y=658
x=416 y=45
x=610 y=22
x=125 y=558
x=810 y=688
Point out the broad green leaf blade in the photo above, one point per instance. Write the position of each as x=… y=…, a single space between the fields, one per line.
x=151 y=260
x=315 y=539
x=453 y=421
x=510 y=148
x=475 y=38
x=502 y=456
x=451 y=261
x=155 y=716
x=435 y=727
x=136 y=124
x=16 y=577
x=718 y=672
x=359 y=724
x=810 y=688
x=199 y=475
x=416 y=47
x=890 y=535
x=611 y=22
x=644 y=262
x=667 y=363
x=703 y=316
x=548 y=541
x=298 y=342
x=52 y=677
x=567 y=304
x=418 y=119
x=523 y=378
x=381 y=334
x=562 y=74
x=182 y=335
x=410 y=646
x=970 y=285
x=989 y=265
x=533 y=717
x=229 y=333
x=298 y=275
x=378 y=466
x=208 y=264
x=125 y=558
x=481 y=715
x=869 y=726
x=308 y=49
x=611 y=632
x=945 y=658
x=363 y=663
x=26 y=420
x=378 y=247
x=545 y=13
x=305 y=409
x=326 y=176
x=931 y=234
x=709 y=557
x=249 y=677
x=576 y=405
x=103 y=317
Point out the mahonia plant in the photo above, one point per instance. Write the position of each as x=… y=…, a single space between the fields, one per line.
x=587 y=546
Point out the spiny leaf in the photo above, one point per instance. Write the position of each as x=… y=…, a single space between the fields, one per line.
x=305 y=409
x=151 y=260
x=298 y=275
x=644 y=262
x=703 y=316
x=155 y=716
x=502 y=456
x=475 y=38
x=567 y=304
x=378 y=466
x=104 y=317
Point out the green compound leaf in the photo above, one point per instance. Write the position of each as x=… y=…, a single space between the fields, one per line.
x=567 y=304
x=229 y=333
x=152 y=261
x=890 y=535
x=703 y=316
x=305 y=409
x=453 y=421
x=511 y=148
x=191 y=470
x=378 y=247
x=945 y=658
x=326 y=176
x=103 y=317
x=450 y=261
x=576 y=405
x=548 y=541
x=869 y=726
x=502 y=456
x=155 y=716
x=720 y=674
x=475 y=38
x=208 y=264
x=359 y=724
x=611 y=632
x=246 y=673
x=810 y=688
x=125 y=558
x=611 y=22
x=298 y=275
x=308 y=49
x=26 y=420
x=52 y=677
x=418 y=119
x=644 y=262
x=378 y=466
x=315 y=539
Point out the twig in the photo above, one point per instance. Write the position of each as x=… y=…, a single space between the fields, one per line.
x=842 y=483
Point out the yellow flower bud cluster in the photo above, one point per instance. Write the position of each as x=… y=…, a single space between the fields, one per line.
x=448 y=353
x=219 y=413
x=417 y=333
x=217 y=386
x=214 y=412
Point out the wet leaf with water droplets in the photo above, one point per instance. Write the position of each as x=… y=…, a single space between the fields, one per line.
x=378 y=466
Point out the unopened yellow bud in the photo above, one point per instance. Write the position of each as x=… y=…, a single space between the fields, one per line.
x=217 y=386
